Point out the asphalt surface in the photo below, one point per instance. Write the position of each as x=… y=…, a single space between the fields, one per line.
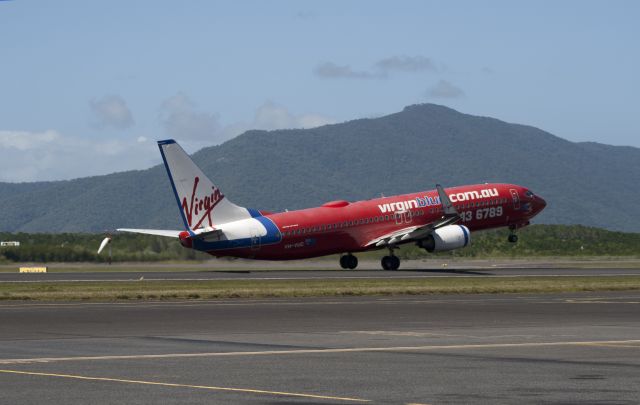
x=570 y=348
x=314 y=274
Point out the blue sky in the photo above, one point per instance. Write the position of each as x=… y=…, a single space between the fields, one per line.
x=87 y=86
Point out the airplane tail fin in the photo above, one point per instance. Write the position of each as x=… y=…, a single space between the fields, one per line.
x=202 y=205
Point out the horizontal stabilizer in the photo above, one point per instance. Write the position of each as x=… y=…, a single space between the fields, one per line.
x=157 y=232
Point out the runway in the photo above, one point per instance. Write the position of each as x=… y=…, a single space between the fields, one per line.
x=462 y=349
x=93 y=275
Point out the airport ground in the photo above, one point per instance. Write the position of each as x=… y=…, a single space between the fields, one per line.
x=396 y=348
x=249 y=279
x=460 y=349
x=330 y=263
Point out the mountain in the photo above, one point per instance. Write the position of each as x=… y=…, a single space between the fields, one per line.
x=583 y=183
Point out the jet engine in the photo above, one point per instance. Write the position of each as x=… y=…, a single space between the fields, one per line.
x=446 y=238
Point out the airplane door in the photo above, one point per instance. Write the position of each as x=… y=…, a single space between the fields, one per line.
x=516 y=198
x=398 y=216
x=407 y=217
x=255 y=239
x=403 y=217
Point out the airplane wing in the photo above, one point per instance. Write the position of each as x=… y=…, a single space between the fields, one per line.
x=157 y=232
x=412 y=233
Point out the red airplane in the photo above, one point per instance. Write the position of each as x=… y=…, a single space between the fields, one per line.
x=436 y=220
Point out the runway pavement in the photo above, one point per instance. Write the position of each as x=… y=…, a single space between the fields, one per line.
x=570 y=348
x=314 y=274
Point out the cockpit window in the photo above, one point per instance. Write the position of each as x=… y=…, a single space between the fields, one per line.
x=528 y=194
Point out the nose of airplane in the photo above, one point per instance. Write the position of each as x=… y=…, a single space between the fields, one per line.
x=539 y=204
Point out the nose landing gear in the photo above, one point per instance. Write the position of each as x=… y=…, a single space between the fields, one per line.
x=348 y=261
x=513 y=238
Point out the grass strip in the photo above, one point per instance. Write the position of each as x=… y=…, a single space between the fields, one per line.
x=164 y=290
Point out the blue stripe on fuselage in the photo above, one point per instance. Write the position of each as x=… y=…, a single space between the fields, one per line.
x=273 y=236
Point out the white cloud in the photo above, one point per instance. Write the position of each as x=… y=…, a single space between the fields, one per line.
x=196 y=129
x=24 y=140
x=406 y=64
x=112 y=111
x=273 y=116
x=380 y=70
x=445 y=89
x=329 y=70
x=181 y=120
x=50 y=155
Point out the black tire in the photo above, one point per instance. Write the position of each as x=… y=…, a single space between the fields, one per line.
x=344 y=261
x=513 y=238
x=352 y=263
x=395 y=262
x=386 y=263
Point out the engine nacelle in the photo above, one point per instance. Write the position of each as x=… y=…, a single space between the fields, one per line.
x=446 y=238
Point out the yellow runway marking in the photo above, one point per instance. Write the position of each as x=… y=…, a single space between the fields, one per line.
x=175 y=385
x=320 y=351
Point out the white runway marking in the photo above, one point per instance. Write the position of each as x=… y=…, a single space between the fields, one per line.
x=617 y=343
x=175 y=385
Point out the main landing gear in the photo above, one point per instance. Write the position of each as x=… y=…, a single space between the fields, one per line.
x=391 y=262
x=348 y=261
x=513 y=238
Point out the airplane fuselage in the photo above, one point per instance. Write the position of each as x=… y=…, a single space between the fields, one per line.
x=340 y=226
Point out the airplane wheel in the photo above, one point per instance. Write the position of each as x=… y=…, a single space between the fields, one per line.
x=395 y=262
x=390 y=263
x=513 y=238
x=343 y=262
x=352 y=262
